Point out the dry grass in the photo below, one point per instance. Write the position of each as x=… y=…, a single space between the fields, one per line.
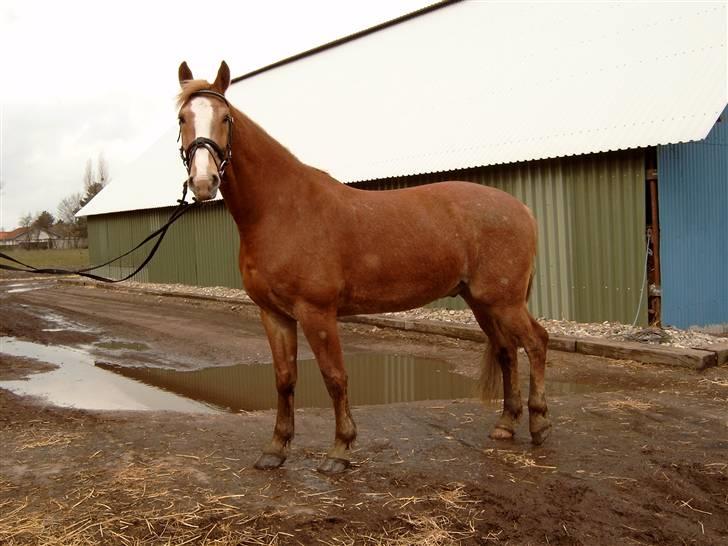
x=629 y=404
x=211 y=521
x=135 y=504
x=718 y=382
x=70 y=258
x=444 y=516
x=521 y=459
x=34 y=439
x=140 y=503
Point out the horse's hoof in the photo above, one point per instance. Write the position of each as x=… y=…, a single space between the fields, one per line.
x=499 y=433
x=269 y=461
x=539 y=436
x=332 y=465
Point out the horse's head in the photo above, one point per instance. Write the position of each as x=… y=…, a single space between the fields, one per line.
x=205 y=122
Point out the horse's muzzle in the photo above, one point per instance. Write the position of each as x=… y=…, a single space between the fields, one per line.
x=204 y=188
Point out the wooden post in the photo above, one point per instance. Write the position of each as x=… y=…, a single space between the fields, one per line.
x=654 y=294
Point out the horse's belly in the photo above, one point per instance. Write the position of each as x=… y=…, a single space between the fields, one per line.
x=393 y=289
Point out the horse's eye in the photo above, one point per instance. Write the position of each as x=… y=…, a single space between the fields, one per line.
x=181 y=120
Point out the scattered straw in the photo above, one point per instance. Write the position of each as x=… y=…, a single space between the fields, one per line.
x=629 y=404
x=34 y=439
x=521 y=459
x=719 y=382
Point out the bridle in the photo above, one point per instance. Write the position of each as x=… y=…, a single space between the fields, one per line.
x=221 y=157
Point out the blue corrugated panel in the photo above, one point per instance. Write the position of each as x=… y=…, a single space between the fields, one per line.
x=693 y=191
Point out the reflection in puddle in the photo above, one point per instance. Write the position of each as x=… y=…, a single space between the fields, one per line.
x=373 y=379
x=78 y=383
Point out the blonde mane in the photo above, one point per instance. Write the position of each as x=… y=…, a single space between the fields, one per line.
x=190 y=87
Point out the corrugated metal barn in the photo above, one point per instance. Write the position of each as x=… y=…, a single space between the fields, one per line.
x=608 y=120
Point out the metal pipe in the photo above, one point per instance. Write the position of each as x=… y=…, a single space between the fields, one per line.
x=655 y=291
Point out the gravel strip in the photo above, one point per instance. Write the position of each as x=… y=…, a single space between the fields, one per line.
x=668 y=335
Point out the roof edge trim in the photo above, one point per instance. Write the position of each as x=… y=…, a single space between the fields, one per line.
x=349 y=38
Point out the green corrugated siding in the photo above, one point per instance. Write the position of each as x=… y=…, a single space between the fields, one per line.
x=590 y=212
x=608 y=204
x=201 y=248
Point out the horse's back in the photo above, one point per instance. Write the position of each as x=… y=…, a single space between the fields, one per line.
x=463 y=212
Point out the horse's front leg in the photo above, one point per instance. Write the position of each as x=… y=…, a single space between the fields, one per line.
x=322 y=334
x=281 y=332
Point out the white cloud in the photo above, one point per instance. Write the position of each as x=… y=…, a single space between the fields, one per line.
x=84 y=77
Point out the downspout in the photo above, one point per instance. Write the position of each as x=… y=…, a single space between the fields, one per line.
x=654 y=275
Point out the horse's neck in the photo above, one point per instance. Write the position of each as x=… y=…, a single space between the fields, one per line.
x=262 y=171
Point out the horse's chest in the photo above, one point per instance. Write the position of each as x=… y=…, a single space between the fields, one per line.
x=256 y=283
x=264 y=288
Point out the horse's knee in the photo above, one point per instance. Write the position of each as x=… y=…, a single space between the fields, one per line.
x=285 y=382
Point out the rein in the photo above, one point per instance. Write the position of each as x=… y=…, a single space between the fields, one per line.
x=182 y=208
x=222 y=160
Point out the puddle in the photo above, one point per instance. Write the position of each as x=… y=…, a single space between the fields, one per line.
x=373 y=379
x=78 y=383
x=62 y=324
x=25 y=289
x=19 y=287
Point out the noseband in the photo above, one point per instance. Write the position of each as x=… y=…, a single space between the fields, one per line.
x=222 y=157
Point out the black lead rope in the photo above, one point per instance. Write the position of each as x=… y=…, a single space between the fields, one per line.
x=182 y=208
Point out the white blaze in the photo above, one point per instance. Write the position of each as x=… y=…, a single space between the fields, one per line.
x=202 y=109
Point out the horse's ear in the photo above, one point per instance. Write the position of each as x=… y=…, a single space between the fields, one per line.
x=184 y=73
x=222 y=82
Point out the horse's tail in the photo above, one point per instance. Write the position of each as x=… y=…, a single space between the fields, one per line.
x=530 y=283
x=491 y=377
x=533 y=258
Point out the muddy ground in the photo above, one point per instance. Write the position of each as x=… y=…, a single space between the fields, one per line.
x=638 y=454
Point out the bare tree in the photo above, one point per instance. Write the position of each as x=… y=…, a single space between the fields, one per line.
x=26 y=220
x=92 y=185
x=102 y=169
x=88 y=175
x=68 y=207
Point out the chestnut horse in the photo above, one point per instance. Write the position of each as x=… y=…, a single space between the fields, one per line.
x=313 y=249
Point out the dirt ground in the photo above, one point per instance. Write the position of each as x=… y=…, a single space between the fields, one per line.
x=638 y=453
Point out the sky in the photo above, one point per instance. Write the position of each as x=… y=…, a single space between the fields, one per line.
x=80 y=79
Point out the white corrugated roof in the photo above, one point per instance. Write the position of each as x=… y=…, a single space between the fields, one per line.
x=477 y=83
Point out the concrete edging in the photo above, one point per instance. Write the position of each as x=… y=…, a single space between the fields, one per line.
x=697 y=359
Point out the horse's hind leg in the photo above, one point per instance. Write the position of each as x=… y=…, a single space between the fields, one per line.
x=539 y=423
x=281 y=333
x=322 y=333
x=500 y=359
x=517 y=323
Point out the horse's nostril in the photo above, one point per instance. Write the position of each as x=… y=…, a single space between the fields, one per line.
x=215 y=179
